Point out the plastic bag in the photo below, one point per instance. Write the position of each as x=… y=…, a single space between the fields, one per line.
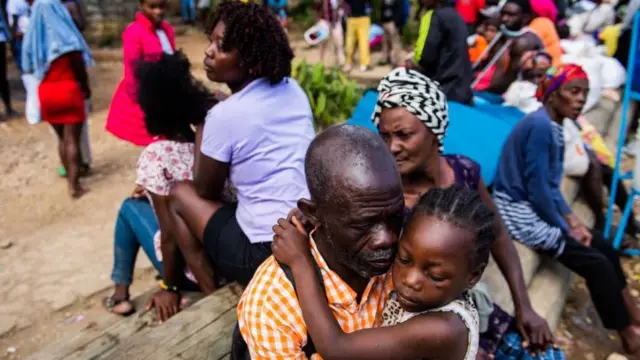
x=594 y=141
x=32 y=105
x=576 y=159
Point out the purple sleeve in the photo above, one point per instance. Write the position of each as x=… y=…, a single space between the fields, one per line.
x=217 y=142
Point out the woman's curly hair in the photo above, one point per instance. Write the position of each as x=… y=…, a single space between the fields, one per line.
x=262 y=44
x=170 y=97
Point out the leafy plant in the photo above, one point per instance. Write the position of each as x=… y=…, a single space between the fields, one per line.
x=332 y=96
x=303 y=14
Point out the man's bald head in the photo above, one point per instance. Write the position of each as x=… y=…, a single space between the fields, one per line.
x=344 y=157
x=356 y=199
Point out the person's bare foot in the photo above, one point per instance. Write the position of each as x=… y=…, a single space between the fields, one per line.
x=77 y=191
x=632 y=306
x=630 y=337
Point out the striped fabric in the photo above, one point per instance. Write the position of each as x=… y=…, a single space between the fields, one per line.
x=526 y=226
x=523 y=222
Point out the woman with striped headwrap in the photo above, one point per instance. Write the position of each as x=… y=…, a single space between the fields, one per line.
x=412 y=117
x=527 y=194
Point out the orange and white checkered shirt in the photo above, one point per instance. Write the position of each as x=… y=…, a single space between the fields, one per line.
x=271 y=320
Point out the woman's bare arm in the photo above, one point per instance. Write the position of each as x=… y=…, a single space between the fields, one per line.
x=532 y=327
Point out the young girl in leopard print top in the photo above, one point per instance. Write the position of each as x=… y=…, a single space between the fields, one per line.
x=442 y=253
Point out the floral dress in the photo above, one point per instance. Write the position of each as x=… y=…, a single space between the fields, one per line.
x=162 y=164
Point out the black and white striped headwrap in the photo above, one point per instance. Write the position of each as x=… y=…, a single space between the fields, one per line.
x=418 y=94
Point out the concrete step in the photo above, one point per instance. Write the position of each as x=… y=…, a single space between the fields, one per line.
x=548 y=291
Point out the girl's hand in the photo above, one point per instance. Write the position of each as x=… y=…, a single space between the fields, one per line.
x=289 y=245
x=138 y=192
x=302 y=223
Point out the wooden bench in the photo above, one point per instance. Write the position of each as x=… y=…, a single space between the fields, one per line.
x=202 y=331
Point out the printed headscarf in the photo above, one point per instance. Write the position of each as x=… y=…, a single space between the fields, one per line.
x=51 y=34
x=419 y=95
x=556 y=77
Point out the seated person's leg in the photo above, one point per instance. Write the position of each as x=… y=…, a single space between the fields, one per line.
x=591 y=189
x=622 y=196
x=599 y=243
x=136 y=226
x=223 y=246
x=191 y=214
x=600 y=266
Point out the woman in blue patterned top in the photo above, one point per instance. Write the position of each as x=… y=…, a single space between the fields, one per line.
x=527 y=194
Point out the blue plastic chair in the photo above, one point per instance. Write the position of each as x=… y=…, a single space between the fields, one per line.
x=631 y=93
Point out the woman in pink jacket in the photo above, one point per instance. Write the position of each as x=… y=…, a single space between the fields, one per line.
x=144 y=39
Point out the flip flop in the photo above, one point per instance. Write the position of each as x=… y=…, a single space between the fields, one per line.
x=109 y=303
x=85 y=170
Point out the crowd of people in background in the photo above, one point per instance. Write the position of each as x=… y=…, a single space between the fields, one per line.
x=348 y=230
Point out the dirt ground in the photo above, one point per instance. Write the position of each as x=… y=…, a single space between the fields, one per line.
x=56 y=253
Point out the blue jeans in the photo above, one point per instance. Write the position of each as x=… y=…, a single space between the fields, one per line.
x=188 y=10
x=136 y=226
x=17 y=44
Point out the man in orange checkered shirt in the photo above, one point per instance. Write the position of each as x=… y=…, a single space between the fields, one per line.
x=357 y=207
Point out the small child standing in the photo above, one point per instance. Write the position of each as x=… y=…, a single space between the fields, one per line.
x=443 y=252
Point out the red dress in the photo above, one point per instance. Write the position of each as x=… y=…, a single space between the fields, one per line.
x=61 y=98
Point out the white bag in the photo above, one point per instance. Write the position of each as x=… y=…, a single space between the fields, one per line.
x=576 y=159
x=32 y=111
x=614 y=74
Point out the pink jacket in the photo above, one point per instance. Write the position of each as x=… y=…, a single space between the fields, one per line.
x=139 y=41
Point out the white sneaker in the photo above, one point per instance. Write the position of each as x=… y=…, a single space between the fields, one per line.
x=364 y=68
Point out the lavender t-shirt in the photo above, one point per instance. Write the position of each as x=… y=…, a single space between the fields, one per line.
x=263 y=131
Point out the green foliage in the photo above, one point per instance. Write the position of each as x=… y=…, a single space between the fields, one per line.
x=412 y=27
x=410 y=33
x=303 y=14
x=332 y=96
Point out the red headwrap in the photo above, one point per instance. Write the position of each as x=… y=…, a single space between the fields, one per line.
x=556 y=77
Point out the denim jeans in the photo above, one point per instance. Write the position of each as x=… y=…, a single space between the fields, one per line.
x=17 y=55
x=136 y=226
x=188 y=10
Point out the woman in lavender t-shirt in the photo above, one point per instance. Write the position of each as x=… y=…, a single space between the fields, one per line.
x=257 y=138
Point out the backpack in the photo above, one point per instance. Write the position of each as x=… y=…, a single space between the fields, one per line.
x=239 y=349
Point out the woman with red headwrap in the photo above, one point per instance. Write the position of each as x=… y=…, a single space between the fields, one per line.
x=527 y=195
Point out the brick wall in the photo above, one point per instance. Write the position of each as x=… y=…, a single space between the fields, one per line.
x=107 y=18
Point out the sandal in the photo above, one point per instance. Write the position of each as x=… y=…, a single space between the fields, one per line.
x=110 y=303
x=85 y=170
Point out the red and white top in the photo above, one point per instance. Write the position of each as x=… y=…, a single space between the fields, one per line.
x=162 y=164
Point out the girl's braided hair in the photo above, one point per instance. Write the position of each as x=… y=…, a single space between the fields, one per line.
x=464 y=208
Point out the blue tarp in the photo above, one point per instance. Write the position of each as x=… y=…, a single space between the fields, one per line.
x=477 y=132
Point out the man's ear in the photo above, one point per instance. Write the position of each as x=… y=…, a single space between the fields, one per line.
x=309 y=209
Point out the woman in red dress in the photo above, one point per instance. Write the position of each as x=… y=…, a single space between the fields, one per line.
x=57 y=54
